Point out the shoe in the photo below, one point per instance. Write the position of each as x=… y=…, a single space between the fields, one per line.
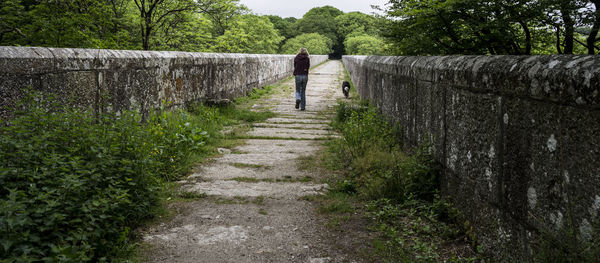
x=302 y=109
x=297 y=104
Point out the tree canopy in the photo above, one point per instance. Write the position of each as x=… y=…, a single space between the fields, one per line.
x=364 y=44
x=249 y=34
x=492 y=26
x=408 y=27
x=315 y=43
x=321 y=20
x=350 y=22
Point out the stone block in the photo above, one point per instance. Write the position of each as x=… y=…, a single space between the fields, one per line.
x=472 y=140
x=437 y=126
x=75 y=59
x=423 y=112
x=12 y=90
x=134 y=89
x=26 y=60
x=77 y=88
x=580 y=156
x=532 y=180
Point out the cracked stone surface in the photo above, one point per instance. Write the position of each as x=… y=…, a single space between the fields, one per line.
x=254 y=211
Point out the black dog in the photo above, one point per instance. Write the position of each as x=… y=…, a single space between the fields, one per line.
x=346 y=88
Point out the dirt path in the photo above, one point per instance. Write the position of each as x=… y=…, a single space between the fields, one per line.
x=255 y=211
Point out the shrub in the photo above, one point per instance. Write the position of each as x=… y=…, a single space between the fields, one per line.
x=371 y=146
x=177 y=136
x=400 y=189
x=73 y=184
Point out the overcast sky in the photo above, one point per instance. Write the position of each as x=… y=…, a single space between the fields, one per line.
x=297 y=8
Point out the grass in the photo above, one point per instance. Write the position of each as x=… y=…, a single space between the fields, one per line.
x=297 y=122
x=247 y=180
x=259 y=200
x=284 y=179
x=191 y=195
x=93 y=176
x=307 y=162
x=395 y=192
x=237 y=118
x=337 y=203
x=292 y=128
x=236 y=200
x=253 y=166
x=250 y=137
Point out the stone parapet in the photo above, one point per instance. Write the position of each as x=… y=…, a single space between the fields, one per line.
x=518 y=138
x=115 y=80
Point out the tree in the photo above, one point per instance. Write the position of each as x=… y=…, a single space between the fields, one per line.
x=12 y=21
x=193 y=35
x=488 y=26
x=83 y=23
x=221 y=13
x=595 y=20
x=155 y=14
x=364 y=44
x=464 y=27
x=314 y=42
x=249 y=34
x=285 y=26
x=350 y=22
x=321 y=20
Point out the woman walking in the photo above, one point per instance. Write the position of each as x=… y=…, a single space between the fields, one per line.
x=301 y=66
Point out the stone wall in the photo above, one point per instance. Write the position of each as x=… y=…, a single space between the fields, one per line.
x=518 y=137
x=121 y=79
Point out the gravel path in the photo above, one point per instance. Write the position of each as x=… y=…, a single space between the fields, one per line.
x=255 y=211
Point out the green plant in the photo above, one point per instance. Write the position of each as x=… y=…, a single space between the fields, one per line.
x=337 y=203
x=177 y=136
x=72 y=184
x=566 y=244
x=400 y=190
x=260 y=200
x=191 y=195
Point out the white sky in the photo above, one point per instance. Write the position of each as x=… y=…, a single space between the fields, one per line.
x=297 y=8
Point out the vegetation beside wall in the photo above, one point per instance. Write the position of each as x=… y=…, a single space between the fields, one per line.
x=73 y=185
x=398 y=191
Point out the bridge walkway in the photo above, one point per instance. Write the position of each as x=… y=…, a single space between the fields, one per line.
x=255 y=211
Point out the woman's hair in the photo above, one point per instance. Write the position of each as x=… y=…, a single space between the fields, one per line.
x=303 y=51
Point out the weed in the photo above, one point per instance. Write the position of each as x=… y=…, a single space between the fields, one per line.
x=232 y=201
x=253 y=166
x=73 y=183
x=249 y=137
x=336 y=222
x=311 y=198
x=567 y=244
x=259 y=200
x=262 y=211
x=258 y=94
x=230 y=143
x=305 y=179
x=400 y=190
x=248 y=116
x=91 y=177
x=191 y=195
x=306 y=162
x=246 y=179
x=287 y=179
x=337 y=203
